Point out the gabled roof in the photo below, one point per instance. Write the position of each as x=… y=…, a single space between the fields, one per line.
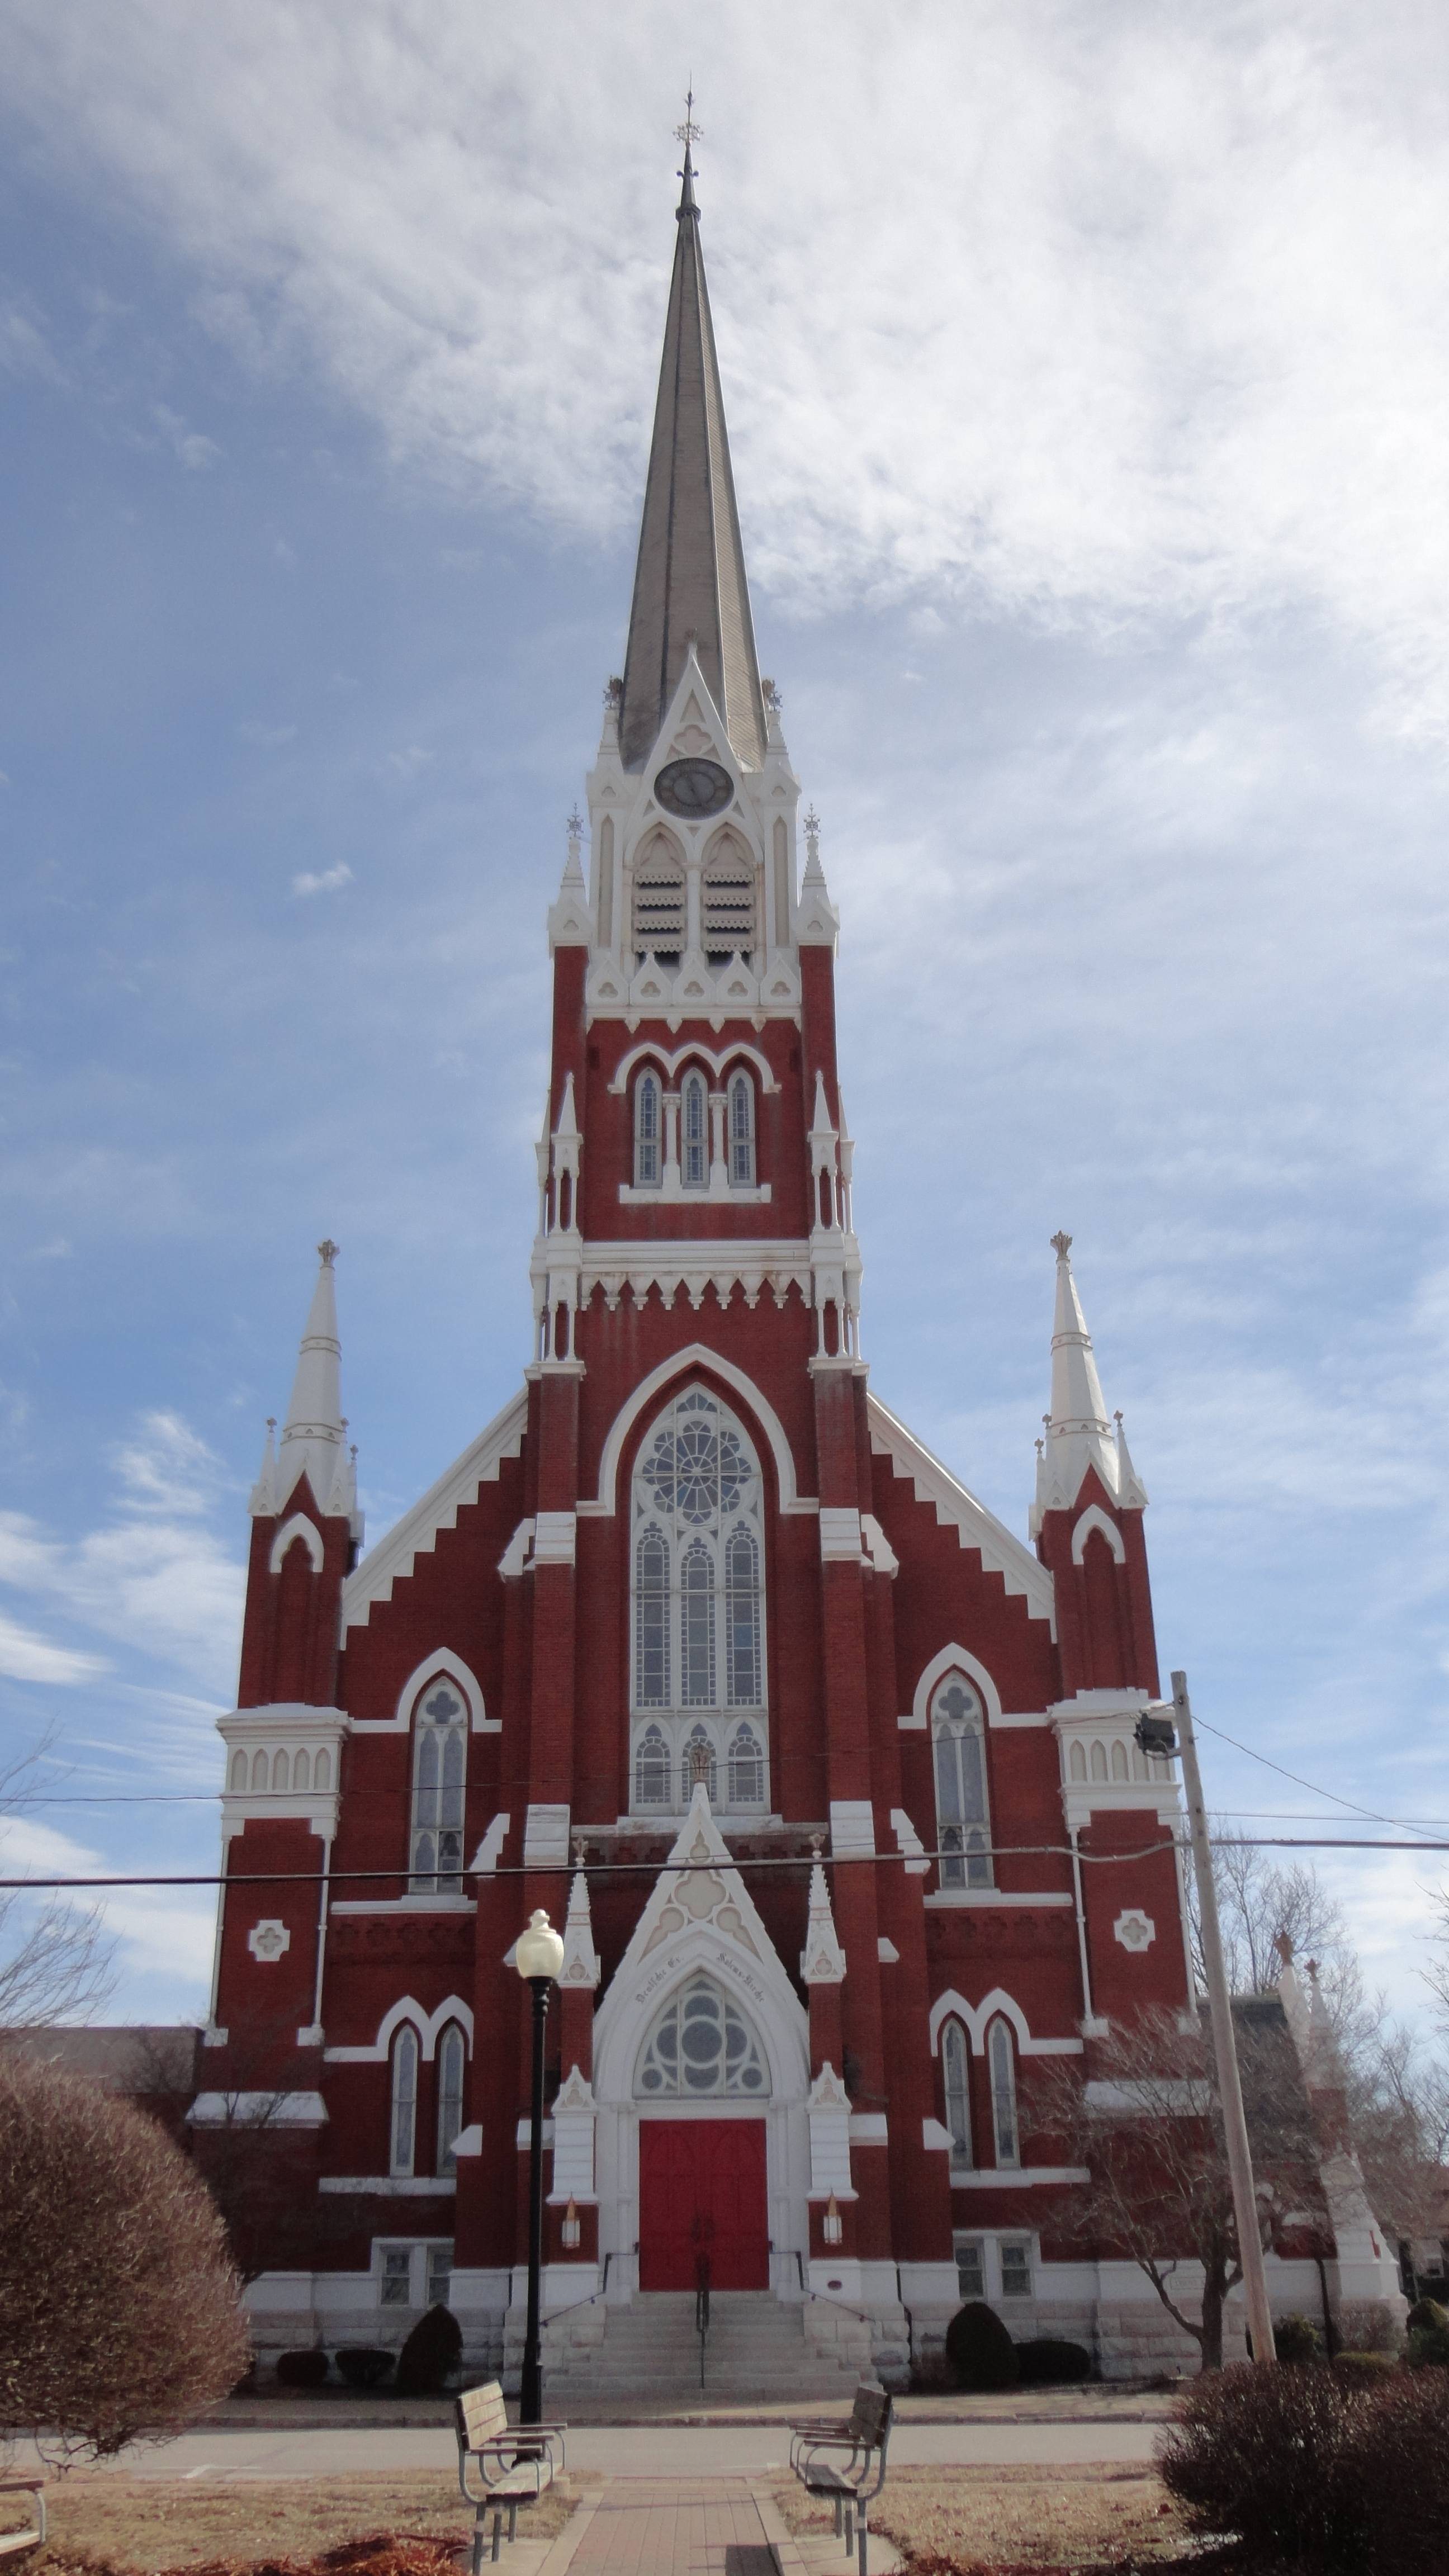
x=1000 y=1550
x=416 y=1533
x=690 y=577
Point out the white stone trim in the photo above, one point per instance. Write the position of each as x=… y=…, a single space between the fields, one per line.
x=1135 y=1930
x=697 y=1355
x=429 y=2027
x=269 y=1941
x=852 y=1829
x=441 y=1661
x=976 y=2017
x=545 y=1836
x=484 y=1862
x=390 y=2186
x=840 y=1540
x=945 y=1898
x=554 y=1536
x=1001 y=1552
x=909 y=1844
x=299 y=1526
x=948 y=1659
x=1094 y=1518
x=738 y=1051
x=1016 y=2177
x=258 y=2110
x=669 y=1263
x=416 y=1533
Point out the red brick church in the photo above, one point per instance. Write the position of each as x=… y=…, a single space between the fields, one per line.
x=696 y=1596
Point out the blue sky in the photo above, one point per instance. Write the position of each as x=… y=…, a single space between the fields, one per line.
x=1087 y=389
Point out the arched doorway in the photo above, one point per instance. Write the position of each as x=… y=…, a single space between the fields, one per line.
x=703 y=2205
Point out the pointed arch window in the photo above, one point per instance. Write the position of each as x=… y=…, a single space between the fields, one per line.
x=727 y=905
x=699 y=1756
x=646 y=1131
x=956 y=2074
x=659 y=901
x=452 y=2070
x=440 y=1775
x=1001 y=2062
x=651 y=1769
x=741 y=1114
x=958 y=1743
x=698 y=1609
x=404 y=2100
x=694 y=1133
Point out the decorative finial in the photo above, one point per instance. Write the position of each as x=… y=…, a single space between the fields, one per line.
x=1041 y=1444
x=812 y=836
x=1117 y=1418
x=613 y=691
x=1061 y=1245
x=771 y=696
x=575 y=824
x=581 y=1850
x=271 y=1422
x=328 y=1251
x=688 y=132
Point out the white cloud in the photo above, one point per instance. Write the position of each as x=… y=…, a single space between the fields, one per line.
x=24 y=1657
x=330 y=881
x=1150 y=327
x=192 y=450
x=154 y=1576
x=161 y=1932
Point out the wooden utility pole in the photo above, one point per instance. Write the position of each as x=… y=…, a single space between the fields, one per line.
x=1220 y=2013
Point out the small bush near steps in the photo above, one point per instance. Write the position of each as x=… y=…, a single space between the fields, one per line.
x=1050 y=2363
x=979 y=2349
x=431 y=2354
x=363 y=2365
x=301 y=2369
x=1335 y=2474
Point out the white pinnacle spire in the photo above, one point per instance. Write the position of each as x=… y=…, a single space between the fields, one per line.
x=312 y=1438
x=1078 y=1432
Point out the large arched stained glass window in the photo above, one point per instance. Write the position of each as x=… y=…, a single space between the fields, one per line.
x=955 y=2068
x=698 y=1613
x=958 y=1742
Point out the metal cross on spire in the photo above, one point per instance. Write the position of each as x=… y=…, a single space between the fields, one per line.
x=688 y=132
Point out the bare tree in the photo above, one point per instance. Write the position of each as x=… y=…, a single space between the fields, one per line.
x=55 y=1961
x=1148 y=2127
x=119 y=2312
x=257 y=2165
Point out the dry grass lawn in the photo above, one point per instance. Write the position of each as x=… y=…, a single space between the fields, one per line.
x=1046 y=2517
x=105 y=2520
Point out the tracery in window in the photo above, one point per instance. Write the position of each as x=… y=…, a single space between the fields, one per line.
x=958 y=1739
x=701 y=2043
x=1001 y=2060
x=440 y=1771
x=452 y=2061
x=659 y=900
x=646 y=1131
x=741 y=1122
x=694 y=1133
x=404 y=2100
x=955 y=2068
x=697 y=1570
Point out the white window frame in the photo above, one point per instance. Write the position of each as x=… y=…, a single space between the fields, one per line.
x=403 y=2071
x=648 y=1129
x=958 y=1748
x=694 y=1131
x=1021 y=2246
x=697 y=1660
x=955 y=2046
x=1005 y=2117
x=973 y=2250
x=435 y=1841
x=740 y=1130
x=452 y=2051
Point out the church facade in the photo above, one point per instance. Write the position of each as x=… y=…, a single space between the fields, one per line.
x=820 y=1768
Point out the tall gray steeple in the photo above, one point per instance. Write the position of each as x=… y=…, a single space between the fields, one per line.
x=690 y=577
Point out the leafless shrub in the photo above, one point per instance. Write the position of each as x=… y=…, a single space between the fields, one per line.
x=119 y=2313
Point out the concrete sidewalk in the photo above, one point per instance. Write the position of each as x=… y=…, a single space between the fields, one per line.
x=618 y=2452
x=686 y=2526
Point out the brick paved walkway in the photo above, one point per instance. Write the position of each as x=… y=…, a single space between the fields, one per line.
x=704 y=2526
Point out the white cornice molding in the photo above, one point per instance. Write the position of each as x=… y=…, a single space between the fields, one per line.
x=415 y=1534
x=695 y=1264
x=1001 y=1552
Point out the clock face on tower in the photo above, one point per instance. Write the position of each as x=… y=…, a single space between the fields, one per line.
x=694 y=788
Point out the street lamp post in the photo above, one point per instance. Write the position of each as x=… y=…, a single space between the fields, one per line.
x=539 y=1956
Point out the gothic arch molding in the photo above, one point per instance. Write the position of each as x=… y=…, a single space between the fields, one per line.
x=298 y=1527
x=697 y=1355
x=1094 y=1518
x=953 y=1659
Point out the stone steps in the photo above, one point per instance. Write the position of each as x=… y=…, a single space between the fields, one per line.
x=757 y=2348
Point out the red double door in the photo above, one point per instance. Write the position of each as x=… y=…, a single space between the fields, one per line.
x=702 y=2192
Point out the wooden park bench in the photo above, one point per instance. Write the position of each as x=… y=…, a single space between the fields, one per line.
x=13 y=2544
x=512 y=2463
x=846 y=2462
